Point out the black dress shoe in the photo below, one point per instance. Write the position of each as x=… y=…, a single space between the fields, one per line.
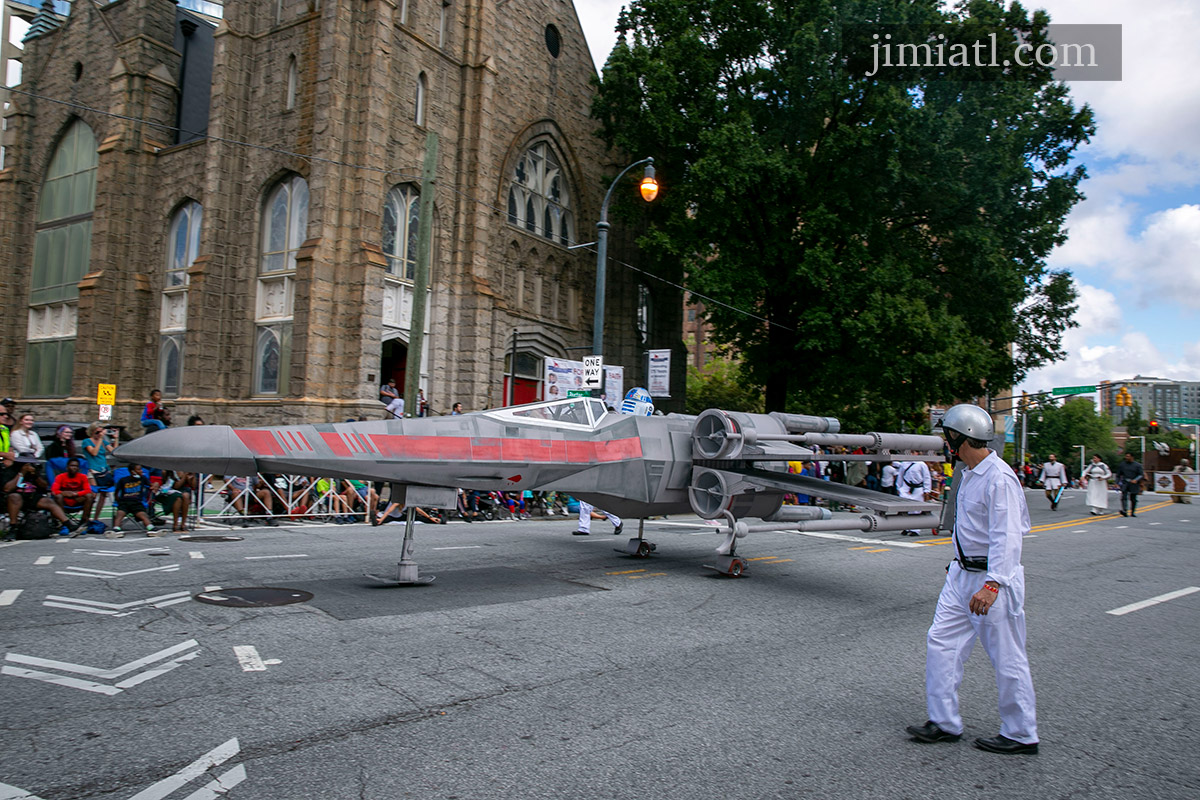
x=617 y=530
x=930 y=732
x=1122 y=513
x=580 y=533
x=1003 y=744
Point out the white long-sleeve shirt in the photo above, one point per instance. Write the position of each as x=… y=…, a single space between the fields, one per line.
x=992 y=517
x=27 y=442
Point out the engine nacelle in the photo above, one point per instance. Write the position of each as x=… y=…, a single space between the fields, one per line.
x=712 y=493
x=721 y=434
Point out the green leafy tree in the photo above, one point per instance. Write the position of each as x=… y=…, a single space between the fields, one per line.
x=721 y=383
x=1057 y=429
x=892 y=233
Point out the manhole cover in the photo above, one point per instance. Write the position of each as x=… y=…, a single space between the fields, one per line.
x=253 y=597
x=210 y=538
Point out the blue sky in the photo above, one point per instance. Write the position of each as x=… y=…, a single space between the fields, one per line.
x=1134 y=246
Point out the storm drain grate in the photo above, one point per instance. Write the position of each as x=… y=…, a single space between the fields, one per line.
x=211 y=538
x=253 y=597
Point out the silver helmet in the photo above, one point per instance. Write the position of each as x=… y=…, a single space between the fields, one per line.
x=971 y=421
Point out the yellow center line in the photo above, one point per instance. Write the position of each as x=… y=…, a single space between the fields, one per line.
x=880 y=550
x=1071 y=523
x=863 y=547
x=647 y=575
x=778 y=561
x=626 y=572
x=761 y=558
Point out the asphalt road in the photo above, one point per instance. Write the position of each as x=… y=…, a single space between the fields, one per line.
x=542 y=665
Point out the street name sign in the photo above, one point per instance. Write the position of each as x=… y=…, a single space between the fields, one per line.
x=1183 y=421
x=1072 y=390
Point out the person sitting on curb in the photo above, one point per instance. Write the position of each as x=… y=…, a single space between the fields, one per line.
x=28 y=491
x=131 y=496
x=175 y=497
x=73 y=491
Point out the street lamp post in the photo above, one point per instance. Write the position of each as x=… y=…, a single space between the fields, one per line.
x=1143 y=438
x=649 y=190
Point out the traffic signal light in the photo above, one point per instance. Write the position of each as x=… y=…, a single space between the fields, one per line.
x=1123 y=398
x=1153 y=426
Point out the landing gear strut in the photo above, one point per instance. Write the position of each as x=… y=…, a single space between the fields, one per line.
x=727 y=561
x=639 y=547
x=406 y=573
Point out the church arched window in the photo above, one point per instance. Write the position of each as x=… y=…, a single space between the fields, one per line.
x=539 y=199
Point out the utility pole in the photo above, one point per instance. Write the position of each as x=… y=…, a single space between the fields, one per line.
x=416 y=331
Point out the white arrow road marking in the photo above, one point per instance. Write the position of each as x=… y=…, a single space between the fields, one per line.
x=1153 y=601
x=247 y=656
x=85 y=572
x=8 y=792
x=121 y=552
x=222 y=784
x=106 y=674
x=115 y=609
x=460 y=547
x=197 y=769
x=253 y=558
x=7 y=598
x=43 y=561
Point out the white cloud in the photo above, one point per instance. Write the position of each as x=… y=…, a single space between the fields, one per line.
x=1134 y=352
x=1154 y=110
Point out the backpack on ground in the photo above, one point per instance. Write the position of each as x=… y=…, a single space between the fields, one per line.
x=38 y=525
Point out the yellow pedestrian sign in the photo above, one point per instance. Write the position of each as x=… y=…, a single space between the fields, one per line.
x=106 y=394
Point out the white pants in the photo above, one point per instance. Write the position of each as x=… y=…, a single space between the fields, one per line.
x=396 y=407
x=1002 y=632
x=585 y=517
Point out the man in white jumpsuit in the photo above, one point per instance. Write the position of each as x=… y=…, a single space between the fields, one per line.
x=585 y=519
x=1054 y=476
x=983 y=596
x=913 y=482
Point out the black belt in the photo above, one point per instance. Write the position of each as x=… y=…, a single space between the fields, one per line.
x=969 y=563
x=973 y=564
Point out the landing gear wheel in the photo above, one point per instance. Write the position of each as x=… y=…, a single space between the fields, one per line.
x=732 y=566
x=644 y=549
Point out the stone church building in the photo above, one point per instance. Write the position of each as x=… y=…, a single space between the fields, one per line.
x=221 y=200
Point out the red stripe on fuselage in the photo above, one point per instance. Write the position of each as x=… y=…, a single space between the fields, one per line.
x=463 y=448
x=260 y=443
x=334 y=442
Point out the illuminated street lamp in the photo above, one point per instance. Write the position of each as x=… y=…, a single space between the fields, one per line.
x=649 y=191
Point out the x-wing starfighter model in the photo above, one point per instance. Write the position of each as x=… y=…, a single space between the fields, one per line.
x=720 y=465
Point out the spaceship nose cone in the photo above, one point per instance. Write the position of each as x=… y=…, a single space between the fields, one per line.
x=213 y=449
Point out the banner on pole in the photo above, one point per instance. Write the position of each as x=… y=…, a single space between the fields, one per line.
x=658 y=374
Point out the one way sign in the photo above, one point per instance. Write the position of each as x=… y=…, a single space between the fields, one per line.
x=593 y=372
